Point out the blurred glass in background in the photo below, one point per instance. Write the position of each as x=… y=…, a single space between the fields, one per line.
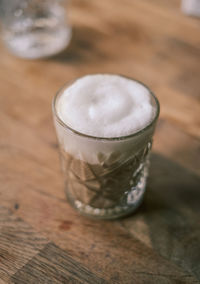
x=191 y=7
x=34 y=28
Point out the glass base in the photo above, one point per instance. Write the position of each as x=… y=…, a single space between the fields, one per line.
x=130 y=201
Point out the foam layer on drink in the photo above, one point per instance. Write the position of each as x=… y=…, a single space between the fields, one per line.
x=106 y=106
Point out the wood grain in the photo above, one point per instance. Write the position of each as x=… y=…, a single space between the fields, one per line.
x=53 y=265
x=185 y=150
x=18 y=243
x=42 y=239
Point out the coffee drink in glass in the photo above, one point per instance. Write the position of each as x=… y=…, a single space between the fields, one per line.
x=104 y=125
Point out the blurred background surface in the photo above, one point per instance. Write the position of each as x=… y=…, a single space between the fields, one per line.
x=152 y=41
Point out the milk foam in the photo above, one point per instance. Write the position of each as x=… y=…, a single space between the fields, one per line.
x=106 y=106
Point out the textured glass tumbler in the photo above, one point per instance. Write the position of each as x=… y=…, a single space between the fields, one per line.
x=34 y=28
x=105 y=178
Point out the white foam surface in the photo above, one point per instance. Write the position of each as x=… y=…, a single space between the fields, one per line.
x=106 y=106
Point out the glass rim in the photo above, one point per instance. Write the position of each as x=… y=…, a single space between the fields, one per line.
x=124 y=137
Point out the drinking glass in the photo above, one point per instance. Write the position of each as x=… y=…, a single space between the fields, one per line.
x=34 y=28
x=105 y=178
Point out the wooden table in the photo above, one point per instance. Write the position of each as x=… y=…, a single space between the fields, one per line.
x=44 y=240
